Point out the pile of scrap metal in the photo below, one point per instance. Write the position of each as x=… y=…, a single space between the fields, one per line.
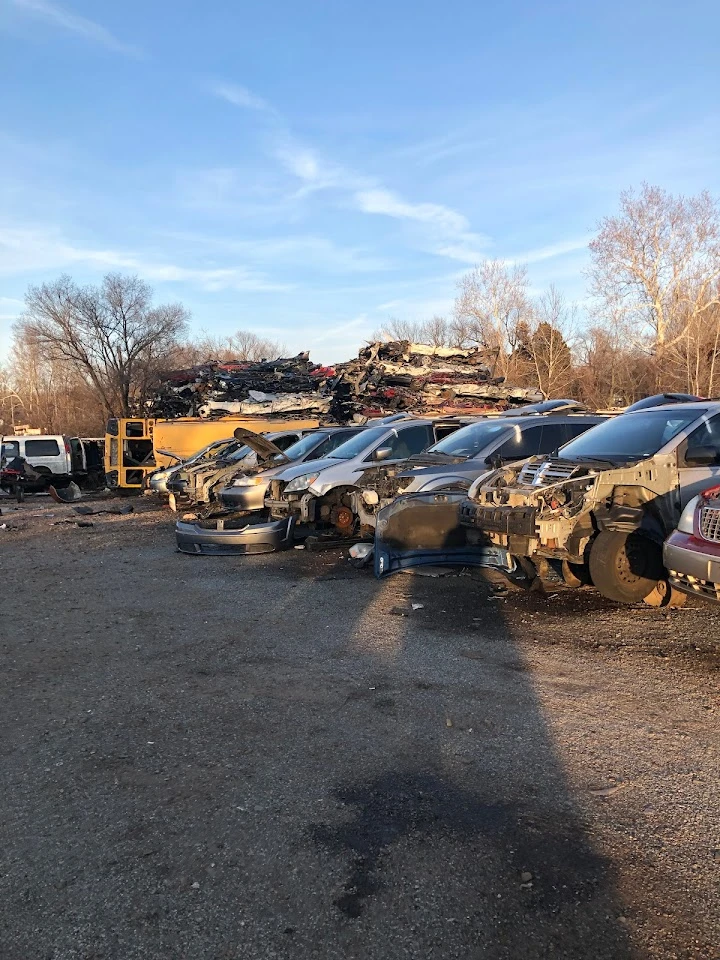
x=385 y=378
x=268 y=387
x=429 y=380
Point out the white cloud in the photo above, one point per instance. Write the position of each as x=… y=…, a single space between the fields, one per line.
x=74 y=23
x=551 y=251
x=239 y=96
x=389 y=204
x=29 y=250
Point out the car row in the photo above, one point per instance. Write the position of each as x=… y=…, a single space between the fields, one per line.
x=629 y=503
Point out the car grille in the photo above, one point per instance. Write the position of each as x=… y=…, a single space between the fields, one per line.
x=545 y=472
x=710 y=523
x=277 y=488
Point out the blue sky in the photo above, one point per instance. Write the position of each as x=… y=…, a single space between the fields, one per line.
x=307 y=170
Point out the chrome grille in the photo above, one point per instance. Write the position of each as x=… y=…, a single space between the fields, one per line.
x=529 y=472
x=545 y=472
x=710 y=523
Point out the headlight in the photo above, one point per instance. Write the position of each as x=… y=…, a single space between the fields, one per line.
x=250 y=482
x=301 y=483
x=687 y=516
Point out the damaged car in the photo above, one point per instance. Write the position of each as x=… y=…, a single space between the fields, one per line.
x=457 y=460
x=158 y=481
x=201 y=482
x=603 y=506
x=247 y=492
x=321 y=499
x=692 y=552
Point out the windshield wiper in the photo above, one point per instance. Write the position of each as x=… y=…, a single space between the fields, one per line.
x=612 y=463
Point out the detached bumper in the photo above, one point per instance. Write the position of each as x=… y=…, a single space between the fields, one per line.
x=258 y=535
x=692 y=567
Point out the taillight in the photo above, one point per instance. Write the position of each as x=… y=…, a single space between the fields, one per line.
x=68 y=451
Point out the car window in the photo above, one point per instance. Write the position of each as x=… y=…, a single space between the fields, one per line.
x=301 y=446
x=631 y=436
x=706 y=435
x=553 y=436
x=331 y=442
x=284 y=441
x=577 y=427
x=359 y=443
x=524 y=442
x=471 y=440
x=405 y=443
x=10 y=450
x=41 y=448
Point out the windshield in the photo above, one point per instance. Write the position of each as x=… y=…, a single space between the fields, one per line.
x=471 y=440
x=631 y=436
x=358 y=444
x=300 y=447
x=236 y=451
x=211 y=450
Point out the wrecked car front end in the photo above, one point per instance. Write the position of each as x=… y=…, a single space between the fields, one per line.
x=552 y=507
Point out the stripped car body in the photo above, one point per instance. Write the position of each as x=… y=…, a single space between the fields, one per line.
x=607 y=501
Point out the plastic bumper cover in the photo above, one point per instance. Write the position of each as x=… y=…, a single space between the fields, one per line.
x=261 y=536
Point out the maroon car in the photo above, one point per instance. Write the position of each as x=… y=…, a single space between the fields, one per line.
x=692 y=552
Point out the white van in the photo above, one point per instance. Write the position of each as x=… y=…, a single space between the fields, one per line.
x=57 y=457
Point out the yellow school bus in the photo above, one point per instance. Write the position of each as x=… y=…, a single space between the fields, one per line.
x=133 y=446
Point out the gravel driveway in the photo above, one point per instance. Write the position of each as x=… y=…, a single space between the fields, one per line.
x=211 y=758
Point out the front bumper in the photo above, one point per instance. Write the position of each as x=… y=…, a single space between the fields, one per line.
x=259 y=535
x=691 y=568
x=243 y=498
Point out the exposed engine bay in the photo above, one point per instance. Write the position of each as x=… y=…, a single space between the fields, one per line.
x=552 y=507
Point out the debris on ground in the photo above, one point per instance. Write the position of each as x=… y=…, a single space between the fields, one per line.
x=69 y=494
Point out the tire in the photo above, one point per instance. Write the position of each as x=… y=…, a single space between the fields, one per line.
x=625 y=567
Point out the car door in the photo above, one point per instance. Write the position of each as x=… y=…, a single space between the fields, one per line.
x=699 y=460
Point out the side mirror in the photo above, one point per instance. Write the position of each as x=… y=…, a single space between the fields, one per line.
x=382 y=453
x=701 y=456
x=494 y=461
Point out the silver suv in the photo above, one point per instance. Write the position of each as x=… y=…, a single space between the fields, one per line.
x=603 y=506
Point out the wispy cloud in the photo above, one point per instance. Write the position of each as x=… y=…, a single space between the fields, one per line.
x=239 y=96
x=74 y=23
x=391 y=205
x=552 y=250
x=31 y=250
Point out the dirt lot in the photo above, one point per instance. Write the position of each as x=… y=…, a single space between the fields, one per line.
x=216 y=758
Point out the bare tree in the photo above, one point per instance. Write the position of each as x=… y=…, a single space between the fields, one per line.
x=491 y=305
x=657 y=263
x=241 y=345
x=112 y=336
x=549 y=345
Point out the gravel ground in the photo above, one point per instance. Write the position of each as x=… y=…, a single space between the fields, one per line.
x=211 y=758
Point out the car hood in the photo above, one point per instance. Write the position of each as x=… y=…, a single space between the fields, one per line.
x=263 y=447
x=308 y=466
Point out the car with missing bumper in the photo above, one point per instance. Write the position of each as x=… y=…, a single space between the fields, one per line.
x=201 y=483
x=692 y=552
x=247 y=492
x=603 y=506
x=457 y=460
x=320 y=499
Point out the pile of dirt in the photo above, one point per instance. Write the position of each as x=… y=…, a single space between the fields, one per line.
x=386 y=377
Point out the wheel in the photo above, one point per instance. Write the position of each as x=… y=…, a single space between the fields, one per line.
x=625 y=566
x=665 y=596
x=575 y=574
